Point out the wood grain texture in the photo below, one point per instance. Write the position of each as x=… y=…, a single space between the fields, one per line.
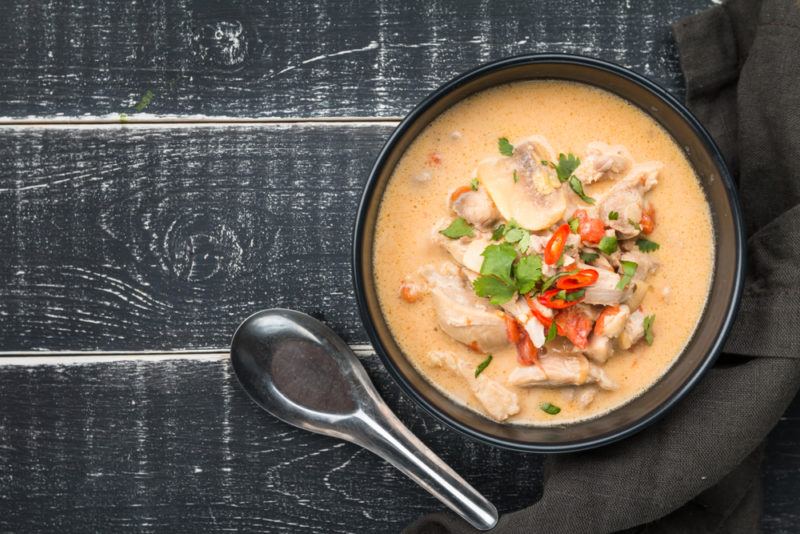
x=279 y=59
x=175 y=446
x=129 y=238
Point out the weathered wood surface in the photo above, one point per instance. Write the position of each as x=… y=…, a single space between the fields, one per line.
x=176 y=446
x=132 y=238
x=249 y=58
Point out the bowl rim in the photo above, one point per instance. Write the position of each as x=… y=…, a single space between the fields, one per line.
x=738 y=277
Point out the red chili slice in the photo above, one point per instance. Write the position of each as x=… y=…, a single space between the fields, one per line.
x=556 y=244
x=542 y=318
x=582 y=278
x=548 y=299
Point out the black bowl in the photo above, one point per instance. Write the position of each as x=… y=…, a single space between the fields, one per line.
x=701 y=351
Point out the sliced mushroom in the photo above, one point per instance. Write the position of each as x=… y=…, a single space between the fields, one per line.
x=535 y=199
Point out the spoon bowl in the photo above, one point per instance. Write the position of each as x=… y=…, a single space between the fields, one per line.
x=301 y=372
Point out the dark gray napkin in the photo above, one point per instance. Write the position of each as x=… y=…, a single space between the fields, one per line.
x=698 y=469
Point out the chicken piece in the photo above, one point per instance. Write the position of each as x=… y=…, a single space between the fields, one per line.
x=498 y=401
x=599 y=349
x=633 y=331
x=626 y=198
x=559 y=369
x=604 y=291
x=464 y=316
x=603 y=161
x=522 y=187
x=466 y=251
x=645 y=263
x=475 y=207
x=612 y=321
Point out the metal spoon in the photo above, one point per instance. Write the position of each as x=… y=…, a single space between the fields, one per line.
x=300 y=371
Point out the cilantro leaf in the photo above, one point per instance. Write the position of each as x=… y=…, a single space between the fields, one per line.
x=552 y=409
x=524 y=243
x=628 y=270
x=497 y=261
x=528 y=271
x=613 y=215
x=552 y=332
x=497 y=291
x=474 y=184
x=574 y=225
x=589 y=257
x=648 y=328
x=566 y=166
x=645 y=245
x=483 y=365
x=577 y=186
x=635 y=224
x=505 y=147
x=515 y=234
x=458 y=228
x=608 y=245
x=498 y=232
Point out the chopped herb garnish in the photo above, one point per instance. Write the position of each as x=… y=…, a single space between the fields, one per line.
x=589 y=257
x=498 y=232
x=608 y=244
x=566 y=166
x=147 y=97
x=514 y=234
x=613 y=215
x=552 y=409
x=569 y=296
x=457 y=229
x=497 y=291
x=574 y=224
x=648 y=328
x=528 y=271
x=516 y=178
x=525 y=243
x=628 y=270
x=635 y=225
x=474 y=184
x=483 y=365
x=497 y=261
x=505 y=147
x=577 y=186
x=551 y=332
x=645 y=245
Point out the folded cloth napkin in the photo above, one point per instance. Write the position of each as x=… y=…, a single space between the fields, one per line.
x=698 y=469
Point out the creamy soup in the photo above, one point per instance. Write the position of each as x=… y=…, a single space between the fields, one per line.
x=543 y=252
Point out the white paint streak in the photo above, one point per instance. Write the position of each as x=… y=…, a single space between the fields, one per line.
x=371 y=46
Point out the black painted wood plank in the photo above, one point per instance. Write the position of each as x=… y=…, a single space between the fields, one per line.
x=323 y=58
x=175 y=446
x=129 y=238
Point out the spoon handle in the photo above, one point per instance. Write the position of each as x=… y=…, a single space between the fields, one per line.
x=385 y=435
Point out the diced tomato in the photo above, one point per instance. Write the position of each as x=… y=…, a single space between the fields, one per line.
x=526 y=351
x=410 y=292
x=583 y=278
x=458 y=192
x=576 y=326
x=590 y=230
x=512 y=329
x=608 y=311
x=556 y=244
x=648 y=222
x=548 y=299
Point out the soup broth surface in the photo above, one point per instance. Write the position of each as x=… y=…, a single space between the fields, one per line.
x=569 y=115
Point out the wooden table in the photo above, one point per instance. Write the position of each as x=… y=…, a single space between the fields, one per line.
x=167 y=168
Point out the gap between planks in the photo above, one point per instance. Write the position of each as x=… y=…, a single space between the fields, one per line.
x=33 y=358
